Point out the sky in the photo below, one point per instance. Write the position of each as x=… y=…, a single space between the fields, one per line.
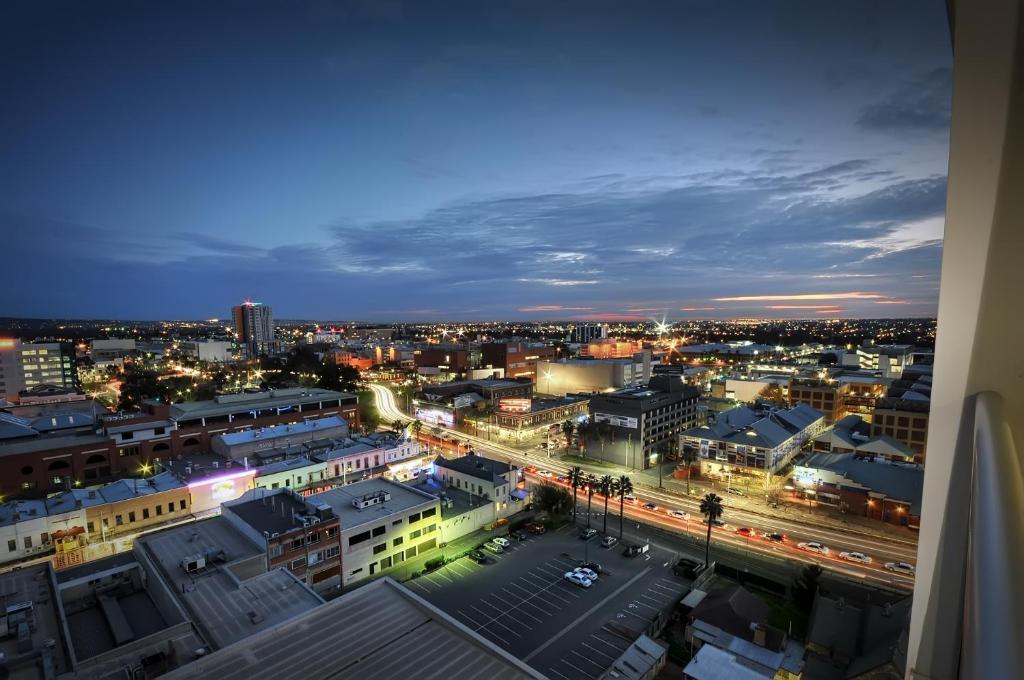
x=388 y=160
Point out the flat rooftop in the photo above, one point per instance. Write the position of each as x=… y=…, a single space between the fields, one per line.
x=235 y=403
x=340 y=499
x=278 y=431
x=272 y=513
x=226 y=607
x=380 y=631
x=33 y=584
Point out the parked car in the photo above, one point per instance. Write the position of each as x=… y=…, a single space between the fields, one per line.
x=608 y=541
x=520 y=535
x=578 y=578
x=814 y=547
x=546 y=474
x=634 y=550
x=679 y=514
x=688 y=568
x=774 y=536
x=587 y=534
x=746 y=531
x=589 y=573
x=592 y=566
x=502 y=541
x=478 y=556
x=492 y=547
x=650 y=506
x=535 y=528
x=900 y=567
x=855 y=556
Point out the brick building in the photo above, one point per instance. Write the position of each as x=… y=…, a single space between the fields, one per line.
x=518 y=359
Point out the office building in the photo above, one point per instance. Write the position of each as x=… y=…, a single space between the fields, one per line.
x=906 y=421
x=254 y=328
x=635 y=425
x=518 y=359
x=109 y=350
x=588 y=332
x=49 y=363
x=12 y=378
x=217 y=351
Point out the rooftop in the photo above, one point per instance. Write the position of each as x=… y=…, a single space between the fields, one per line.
x=488 y=469
x=379 y=631
x=33 y=584
x=273 y=513
x=279 y=431
x=897 y=481
x=340 y=499
x=224 y=404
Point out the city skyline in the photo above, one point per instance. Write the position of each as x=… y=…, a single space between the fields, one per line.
x=388 y=161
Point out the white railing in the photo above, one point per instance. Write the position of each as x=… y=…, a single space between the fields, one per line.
x=993 y=624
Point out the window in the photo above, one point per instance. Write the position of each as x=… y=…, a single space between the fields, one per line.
x=359 y=538
x=159 y=510
x=356 y=571
x=415 y=534
x=296 y=543
x=44 y=537
x=414 y=517
x=276 y=550
x=298 y=563
x=159 y=430
x=397 y=542
x=332 y=532
x=170 y=507
x=357 y=463
x=428 y=545
x=385 y=563
x=12 y=545
x=126 y=451
x=118 y=520
x=28 y=542
x=145 y=514
x=90 y=527
x=27 y=470
x=331 y=552
x=410 y=552
x=396 y=522
x=430 y=529
x=181 y=504
x=429 y=512
x=378 y=549
x=379 y=531
x=125 y=436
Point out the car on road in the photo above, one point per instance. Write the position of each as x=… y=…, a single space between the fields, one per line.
x=900 y=567
x=531 y=469
x=719 y=523
x=854 y=556
x=578 y=578
x=535 y=528
x=746 y=531
x=650 y=506
x=634 y=550
x=562 y=478
x=814 y=547
x=478 y=556
x=546 y=474
x=502 y=541
x=774 y=536
x=734 y=491
x=587 y=534
x=608 y=541
x=588 y=573
x=679 y=514
x=492 y=547
x=629 y=498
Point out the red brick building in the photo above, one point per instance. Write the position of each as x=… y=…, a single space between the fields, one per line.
x=518 y=359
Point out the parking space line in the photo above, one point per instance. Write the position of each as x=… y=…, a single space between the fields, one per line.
x=572 y=665
x=598 y=651
x=523 y=601
x=644 y=604
x=566 y=590
x=475 y=622
x=549 y=570
x=569 y=563
x=444 y=576
x=617 y=649
x=556 y=672
x=494 y=620
x=587 y=659
x=670 y=590
x=627 y=611
x=654 y=599
x=462 y=568
x=516 y=605
x=416 y=582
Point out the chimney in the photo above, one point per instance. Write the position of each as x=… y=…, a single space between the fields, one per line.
x=759 y=635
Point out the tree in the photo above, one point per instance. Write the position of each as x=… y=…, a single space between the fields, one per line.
x=137 y=385
x=417 y=425
x=567 y=428
x=711 y=508
x=607 y=486
x=689 y=457
x=806 y=585
x=772 y=488
x=575 y=481
x=624 y=487
x=772 y=393
x=552 y=499
x=397 y=425
x=590 y=482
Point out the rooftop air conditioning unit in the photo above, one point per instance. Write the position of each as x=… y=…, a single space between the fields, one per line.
x=193 y=563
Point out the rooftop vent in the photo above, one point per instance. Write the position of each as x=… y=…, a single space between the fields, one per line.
x=369 y=499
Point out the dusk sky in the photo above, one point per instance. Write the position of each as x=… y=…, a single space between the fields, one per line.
x=479 y=160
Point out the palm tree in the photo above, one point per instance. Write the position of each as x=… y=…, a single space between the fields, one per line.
x=417 y=425
x=575 y=476
x=607 y=487
x=397 y=425
x=590 y=481
x=624 y=487
x=711 y=508
x=567 y=429
x=689 y=457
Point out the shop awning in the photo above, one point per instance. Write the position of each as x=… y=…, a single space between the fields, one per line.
x=519 y=494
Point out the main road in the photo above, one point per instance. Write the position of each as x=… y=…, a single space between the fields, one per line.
x=882 y=549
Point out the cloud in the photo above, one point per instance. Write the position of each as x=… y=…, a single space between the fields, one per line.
x=922 y=105
x=562 y=282
x=800 y=307
x=553 y=308
x=802 y=296
x=610 y=316
x=697 y=309
x=901 y=237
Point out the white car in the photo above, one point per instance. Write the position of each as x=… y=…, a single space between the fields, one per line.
x=678 y=514
x=546 y=474
x=588 y=574
x=900 y=567
x=855 y=557
x=578 y=578
x=502 y=541
x=813 y=547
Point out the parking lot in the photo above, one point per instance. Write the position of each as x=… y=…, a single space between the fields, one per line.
x=521 y=601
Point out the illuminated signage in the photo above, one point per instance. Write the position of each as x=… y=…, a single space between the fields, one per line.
x=617 y=421
x=6 y=343
x=515 y=405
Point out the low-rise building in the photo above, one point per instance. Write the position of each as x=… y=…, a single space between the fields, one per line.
x=491 y=480
x=572 y=376
x=249 y=443
x=216 y=351
x=383 y=524
x=753 y=442
x=905 y=420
